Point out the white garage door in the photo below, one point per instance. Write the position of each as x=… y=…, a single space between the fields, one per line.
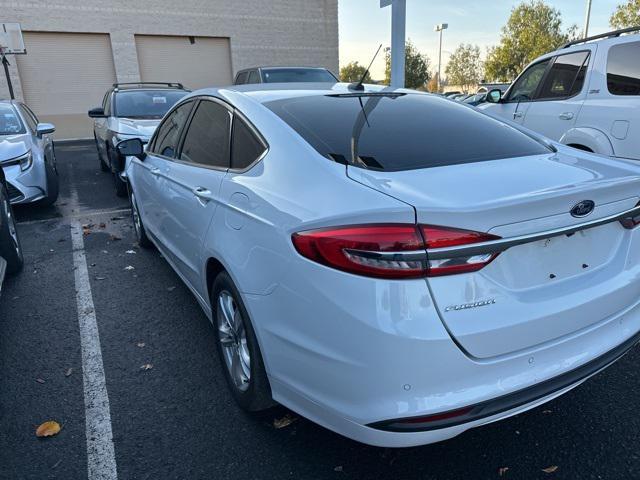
x=196 y=62
x=65 y=74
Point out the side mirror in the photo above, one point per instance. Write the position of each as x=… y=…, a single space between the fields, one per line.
x=44 y=129
x=97 y=113
x=132 y=147
x=494 y=96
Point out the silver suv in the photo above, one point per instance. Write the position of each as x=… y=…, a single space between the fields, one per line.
x=130 y=110
x=27 y=155
x=284 y=75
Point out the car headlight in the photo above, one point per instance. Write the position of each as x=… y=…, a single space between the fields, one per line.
x=25 y=161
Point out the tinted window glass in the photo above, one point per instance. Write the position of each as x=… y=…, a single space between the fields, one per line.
x=146 y=103
x=245 y=146
x=253 y=77
x=401 y=132
x=168 y=135
x=565 y=77
x=623 y=69
x=241 y=79
x=525 y=87
x=32 y=123
x=207 y=139
x=10 y=122
x=106 y=104
x=278 y=75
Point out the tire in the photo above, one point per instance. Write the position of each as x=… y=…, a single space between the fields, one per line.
x=53 y=185
x=138 y=226
x=121 y=185
x=103 y=166
x=238 y=348
x=10 y=247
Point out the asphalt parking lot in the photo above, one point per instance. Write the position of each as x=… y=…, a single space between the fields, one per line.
x=175 y=419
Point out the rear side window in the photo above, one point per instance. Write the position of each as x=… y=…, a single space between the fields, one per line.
x=253 y=77
x=401 y=132
x=207 y=139
x=241 y=79
x=246 y=147
x=168 y=133
x=623 y=69
x=566 y=76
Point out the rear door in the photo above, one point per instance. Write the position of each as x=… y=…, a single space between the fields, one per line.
x=192 y=187
x=557 y=104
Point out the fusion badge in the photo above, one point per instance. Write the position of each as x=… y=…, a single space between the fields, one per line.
x=465 y=306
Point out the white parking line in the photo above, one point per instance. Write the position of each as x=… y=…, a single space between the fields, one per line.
x=101 y=459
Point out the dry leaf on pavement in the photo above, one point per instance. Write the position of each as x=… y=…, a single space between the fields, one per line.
x=550 y=469
x=502 y=471
x=48 y=429
x=140 y=344
x=146 y=366
x=68 y=372
x=40 y=380
x=285 y=421
x=129 y=267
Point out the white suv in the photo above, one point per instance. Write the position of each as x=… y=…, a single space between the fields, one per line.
x=585 y=95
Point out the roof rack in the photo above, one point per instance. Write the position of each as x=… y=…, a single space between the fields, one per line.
x=144 y=84
x=615 y=33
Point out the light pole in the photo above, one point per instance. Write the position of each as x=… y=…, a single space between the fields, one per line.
x=398 y=25
x=587 y=16
x=439 y=28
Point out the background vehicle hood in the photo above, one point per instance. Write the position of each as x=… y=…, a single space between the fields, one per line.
x=12 y=146
x=134 y=126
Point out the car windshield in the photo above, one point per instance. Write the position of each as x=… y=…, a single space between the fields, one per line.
x=287 y=75
x=10 y=123
x=401 y=132
x=146 y=103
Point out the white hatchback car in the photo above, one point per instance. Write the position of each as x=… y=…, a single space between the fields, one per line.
x=586 y=95
x=390 y=264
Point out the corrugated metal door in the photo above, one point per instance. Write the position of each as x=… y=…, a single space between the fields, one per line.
x=196 y=62
x=65 y=74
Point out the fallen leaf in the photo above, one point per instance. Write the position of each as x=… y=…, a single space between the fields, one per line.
x=146 y=366
x=100 y=278
x=546 y=412
x=40 y=380
x=338 y=468
x=103 y=225
x=170 y=289
x=130 y=252
x=114 y=238
x=68 y=372
x=115 y=219
x=48 y=429
x=140 y=344
x=550 y=469
x=57 y=463
x=285 y=421
x=129 y=267
x=502 y=471
x=104 y=251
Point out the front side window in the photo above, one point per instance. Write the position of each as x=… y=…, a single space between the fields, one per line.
x=32 y=123
x=168 y=133
x=10 y=123
x=246 y=147
x=623 y=69
x=146 y=103
x=241 y=79
x=106 y=104
x=526 y=86
x=207 y=139
x=566 y=76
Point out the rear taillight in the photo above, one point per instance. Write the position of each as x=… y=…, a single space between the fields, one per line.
x=442 y=237
x=394 y=251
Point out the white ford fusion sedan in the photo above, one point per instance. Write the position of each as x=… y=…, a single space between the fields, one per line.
x=392 y=265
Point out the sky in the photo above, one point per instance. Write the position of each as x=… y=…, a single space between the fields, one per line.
x=364 y=25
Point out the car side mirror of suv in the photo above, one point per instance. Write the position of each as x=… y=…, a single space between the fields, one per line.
x=44 y=129
x=132 y=147
x=494 y=96
x=97 y=113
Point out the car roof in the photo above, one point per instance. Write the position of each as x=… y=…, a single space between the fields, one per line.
x=266 y=92
x=272 y=67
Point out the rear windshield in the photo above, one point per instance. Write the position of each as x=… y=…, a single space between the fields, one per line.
x=146 y=103
x=401 y=132
x=10 y=123
x=287 y=75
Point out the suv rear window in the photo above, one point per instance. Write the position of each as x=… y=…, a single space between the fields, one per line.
x=404 y=132
x=146 y=103
x=623 y=69
x=286 y=75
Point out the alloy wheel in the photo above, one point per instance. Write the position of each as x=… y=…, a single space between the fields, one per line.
x=233 y=340
x=136 y=217
x=13 y=232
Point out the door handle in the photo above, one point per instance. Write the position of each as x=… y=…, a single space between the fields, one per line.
x=566 y=116
x=517 y=115
x=155 y=171
x=202 y=194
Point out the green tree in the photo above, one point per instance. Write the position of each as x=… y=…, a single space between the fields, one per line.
x=416 y=67
x=353 y=71
x=626 y=15
x=465 y=67
x=534 y=28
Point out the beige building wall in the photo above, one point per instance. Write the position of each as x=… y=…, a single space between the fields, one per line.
x=258 y=32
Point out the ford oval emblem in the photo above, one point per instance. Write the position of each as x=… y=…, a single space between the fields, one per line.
x=583 y=208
